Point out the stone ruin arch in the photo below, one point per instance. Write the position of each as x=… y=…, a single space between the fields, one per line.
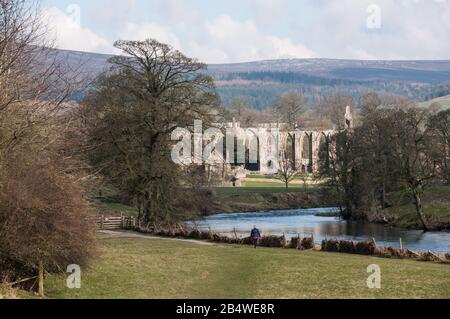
x=263 y=149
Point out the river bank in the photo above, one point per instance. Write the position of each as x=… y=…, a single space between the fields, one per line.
x=400 y=213
x=228 y=200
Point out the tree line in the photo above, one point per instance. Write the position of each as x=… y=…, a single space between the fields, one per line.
x=397 y=147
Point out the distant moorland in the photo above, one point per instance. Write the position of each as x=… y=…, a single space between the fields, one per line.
x=261 y=82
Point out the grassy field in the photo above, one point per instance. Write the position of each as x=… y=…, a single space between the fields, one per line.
x=144 y=268
x=264 y=177
x=263 y=188
x=436 y=205
x=444 y=101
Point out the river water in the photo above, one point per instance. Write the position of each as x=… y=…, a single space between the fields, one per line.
x=304 y=222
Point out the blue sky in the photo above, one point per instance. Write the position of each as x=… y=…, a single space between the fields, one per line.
x=244 y=30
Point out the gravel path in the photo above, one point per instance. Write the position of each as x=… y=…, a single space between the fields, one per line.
x=129 y=234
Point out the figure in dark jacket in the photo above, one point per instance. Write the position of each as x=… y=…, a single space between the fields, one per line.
x=255 y=235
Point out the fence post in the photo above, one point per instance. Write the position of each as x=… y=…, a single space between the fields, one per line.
x=122 y=221
x=374 y=242
x=102 y=217
x=401 y=243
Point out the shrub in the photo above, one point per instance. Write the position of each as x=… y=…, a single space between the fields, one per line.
x=346 y=246
x=273 y=241
x=365 y=248
x=206 y=235
x=43 y=220
x=295 y=243
x=307 y=243
x=330 y=245
x=429 y=256
x=195 y=234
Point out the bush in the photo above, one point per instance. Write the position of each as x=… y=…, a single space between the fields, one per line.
x=429 y=256
x=43 y=220
x=295 y=243
x=365 y=248
x=195 y=234
x=347 y=247
x=206 y=235
x=330 y=245
x=307 y=243
x=273 y=241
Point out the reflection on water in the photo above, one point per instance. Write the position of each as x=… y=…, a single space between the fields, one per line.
x=303 y=222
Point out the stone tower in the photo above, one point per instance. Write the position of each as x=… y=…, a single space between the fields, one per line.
x=348 y=118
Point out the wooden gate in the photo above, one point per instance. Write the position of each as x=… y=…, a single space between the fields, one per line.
x=110 y=223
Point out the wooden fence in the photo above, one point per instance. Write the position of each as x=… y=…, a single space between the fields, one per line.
x=109 y=223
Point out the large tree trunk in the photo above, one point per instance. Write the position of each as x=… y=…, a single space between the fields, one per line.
x=419 y=211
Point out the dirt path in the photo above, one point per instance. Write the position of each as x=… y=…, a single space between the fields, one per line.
x=128 y=234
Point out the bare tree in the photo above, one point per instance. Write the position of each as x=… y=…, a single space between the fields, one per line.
x=305 y=178
x=439 y=128
x=288 y=169
x=131 y=112
x=413 y=149
x=42 y=212
x=238 y=106
x=289 y=108
x=333 y=108
x=33 y=80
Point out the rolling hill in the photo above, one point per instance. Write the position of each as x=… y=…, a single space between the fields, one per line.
x=261 y=82
x=444 y=101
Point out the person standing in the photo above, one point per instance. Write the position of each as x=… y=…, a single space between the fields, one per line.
x=255 y=235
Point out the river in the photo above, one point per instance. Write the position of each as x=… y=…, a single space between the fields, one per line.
x=304 y=222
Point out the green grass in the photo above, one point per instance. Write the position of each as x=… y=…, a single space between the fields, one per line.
x=436 y=205
x=257 y=189
x=142 y=268
x=263 y=177
x=272 y=185
x=115 y=209
x=257 y=176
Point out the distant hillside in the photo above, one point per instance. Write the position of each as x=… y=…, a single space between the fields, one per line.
x=413 y=71
x=444 y=101
x=261 y=82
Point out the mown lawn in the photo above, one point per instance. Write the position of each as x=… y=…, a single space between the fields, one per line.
x=144 y=268
x=274 y=185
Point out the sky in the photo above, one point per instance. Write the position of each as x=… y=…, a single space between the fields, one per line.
x=231 y=31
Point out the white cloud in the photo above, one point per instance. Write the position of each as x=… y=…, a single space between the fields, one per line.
x=66 y=29
x=410 y=29
x=145 y=31
x=228 y=40
x=269 y=11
